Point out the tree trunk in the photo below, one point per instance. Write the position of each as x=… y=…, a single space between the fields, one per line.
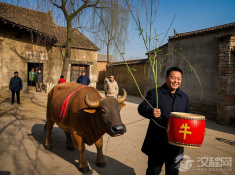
x=67 y=49
x=108 y=61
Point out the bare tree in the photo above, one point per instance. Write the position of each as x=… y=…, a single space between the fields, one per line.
x=116 y=22
x=78 y=14
x=76 y=8
x=90 y=15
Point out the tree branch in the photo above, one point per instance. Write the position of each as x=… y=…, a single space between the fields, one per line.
x=85 y=5
x=63 y=8
x=73 y=5
x=60 y=7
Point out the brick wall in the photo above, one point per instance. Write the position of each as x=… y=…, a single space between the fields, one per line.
x=209 y=111
x=226 y=93
x=101 y=74
x=101 y=71
x=125 y=80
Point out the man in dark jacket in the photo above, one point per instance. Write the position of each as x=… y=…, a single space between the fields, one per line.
x=156 y=146
x=39 y=81
x=83 y=79
x=15 y=86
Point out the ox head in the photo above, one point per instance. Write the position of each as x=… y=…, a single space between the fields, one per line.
x=108 y=110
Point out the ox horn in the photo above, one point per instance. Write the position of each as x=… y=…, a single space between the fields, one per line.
x=91 y=104
x=123 y=97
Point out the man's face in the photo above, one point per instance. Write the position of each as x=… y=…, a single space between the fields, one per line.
x=32 y=70
x=16 y=75
x=174 y=80
x=83 y=74
x=111 y=79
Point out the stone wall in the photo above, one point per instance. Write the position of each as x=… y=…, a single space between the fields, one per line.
x=14 y=56
x=125 y=80
x=86 y=57
x=202 y=51
x=212 y=58
x=226 y=93
x=16 y=53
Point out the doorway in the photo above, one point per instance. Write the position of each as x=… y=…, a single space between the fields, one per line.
x=39 y=66
x=76 y=70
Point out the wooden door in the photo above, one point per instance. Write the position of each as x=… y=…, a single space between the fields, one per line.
x=76 y=70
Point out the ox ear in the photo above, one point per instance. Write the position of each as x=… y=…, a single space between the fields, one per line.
x=91 y=111
x=122 y=105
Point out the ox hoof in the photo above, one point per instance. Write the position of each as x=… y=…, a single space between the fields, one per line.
x=48 y=147
x=84 y=170
x=101 y=164
x=70 y=148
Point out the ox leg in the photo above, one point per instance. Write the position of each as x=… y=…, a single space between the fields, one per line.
x=69 y=142
x=49 y=125
x=100 y=161
x=82 y=161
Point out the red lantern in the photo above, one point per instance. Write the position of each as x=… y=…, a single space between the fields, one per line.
x=186 y=129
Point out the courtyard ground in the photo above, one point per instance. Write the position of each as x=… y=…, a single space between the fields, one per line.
x=22 y=137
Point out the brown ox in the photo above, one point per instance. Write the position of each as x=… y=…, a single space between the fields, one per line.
x=88 y=118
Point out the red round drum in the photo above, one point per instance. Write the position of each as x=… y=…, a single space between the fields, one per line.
x=186 y=129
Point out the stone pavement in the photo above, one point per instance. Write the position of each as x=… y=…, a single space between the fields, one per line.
x=22 y=138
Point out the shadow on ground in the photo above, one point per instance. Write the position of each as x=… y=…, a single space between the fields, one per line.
x=229 y=142
x=211 y=124
x=5 y=172
x=59 y=148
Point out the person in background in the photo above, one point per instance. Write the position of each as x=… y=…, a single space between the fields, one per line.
x=83 y=79
x=35 y=74
x=15 y=86
x=111 y=87
x=36 y=70
x=39 y=81
x=31 y=77
x=62 y=80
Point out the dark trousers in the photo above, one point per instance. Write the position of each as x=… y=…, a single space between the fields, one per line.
x=155 y=167
x=13 y=96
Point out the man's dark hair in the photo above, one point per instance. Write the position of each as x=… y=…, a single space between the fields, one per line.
x=83 y=71
x=173 y=69
x=15 y=72
x=62 y=76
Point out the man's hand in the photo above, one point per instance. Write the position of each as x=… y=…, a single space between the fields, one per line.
x=21 y=90
x=9 y=89
x=156 y=113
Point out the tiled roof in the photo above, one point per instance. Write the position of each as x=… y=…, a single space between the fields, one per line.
x=31 y=19
x=78 y=39
x=198 y=32
x=161 y=47
x=43 y=23
x=139 y=61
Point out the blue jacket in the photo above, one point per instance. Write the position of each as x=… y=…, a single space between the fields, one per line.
x=83 y=80
x=15 y=84
x=156 y=142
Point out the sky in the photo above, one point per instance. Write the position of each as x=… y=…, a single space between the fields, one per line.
x=190 y=15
